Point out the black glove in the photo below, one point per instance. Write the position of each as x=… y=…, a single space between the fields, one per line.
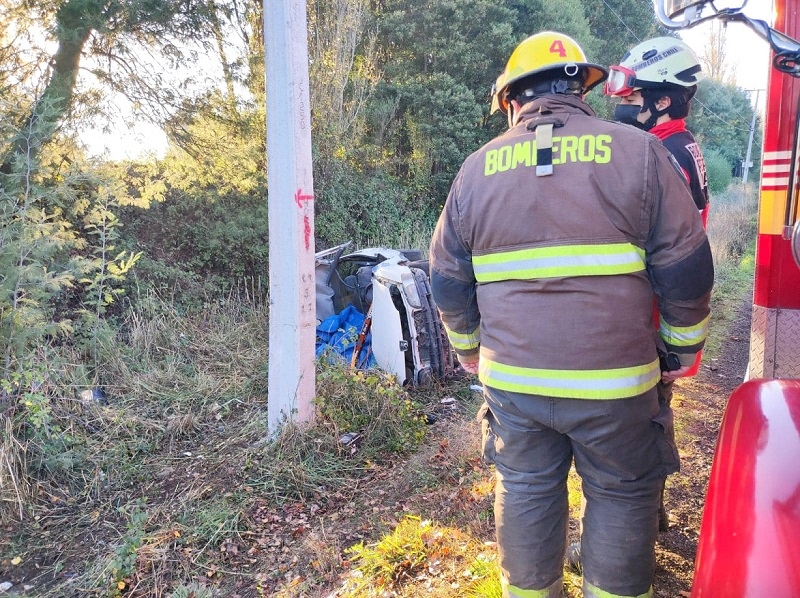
x=669 y=362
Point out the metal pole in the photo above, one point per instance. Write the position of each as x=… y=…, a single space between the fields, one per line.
x=750 y=140
x=292 y=302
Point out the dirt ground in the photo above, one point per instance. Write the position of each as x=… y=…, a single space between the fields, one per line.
x=698 y=403
x=301 y=549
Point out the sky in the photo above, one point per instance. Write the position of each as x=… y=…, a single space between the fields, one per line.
x=125 y=140
x=747 y=54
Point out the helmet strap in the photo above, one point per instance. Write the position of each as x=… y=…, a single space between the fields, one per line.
x=655 y=113
x=512 y=112
x=549 y=86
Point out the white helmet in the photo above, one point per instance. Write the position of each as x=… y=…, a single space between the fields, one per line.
x=658 y=63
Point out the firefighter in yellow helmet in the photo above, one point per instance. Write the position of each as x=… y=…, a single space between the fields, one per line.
x=540 y=53
x=544 y=264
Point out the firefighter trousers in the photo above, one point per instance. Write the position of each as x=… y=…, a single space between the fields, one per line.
x=622 y=456
x=665 y=390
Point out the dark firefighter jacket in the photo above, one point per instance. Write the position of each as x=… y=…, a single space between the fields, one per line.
x=681 y=144
x=552 y=277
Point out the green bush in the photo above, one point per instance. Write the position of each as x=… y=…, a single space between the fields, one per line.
x=365 y=208
x=371 y=404
x=199 y=246
x=719 y=172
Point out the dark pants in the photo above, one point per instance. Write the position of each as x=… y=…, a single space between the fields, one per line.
x=664 y=390
x=623 y=456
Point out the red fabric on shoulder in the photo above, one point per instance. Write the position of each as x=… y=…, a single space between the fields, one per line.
x=668 y=128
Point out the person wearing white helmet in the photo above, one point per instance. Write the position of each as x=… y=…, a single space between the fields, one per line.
x=655 y=82
x=544 y=264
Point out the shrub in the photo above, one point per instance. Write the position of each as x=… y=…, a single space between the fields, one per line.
x=372 y=404
x=718 y=170
x=732 y=223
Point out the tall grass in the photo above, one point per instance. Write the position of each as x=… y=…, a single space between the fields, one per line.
x=732 y=224
x=732 y=229
x=414 y=238
x=185 y=408
x=180 y=439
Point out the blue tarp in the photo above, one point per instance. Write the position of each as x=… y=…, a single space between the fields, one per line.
x=339 y=333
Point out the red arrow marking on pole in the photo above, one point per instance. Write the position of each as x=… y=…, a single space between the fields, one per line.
x=299 y=198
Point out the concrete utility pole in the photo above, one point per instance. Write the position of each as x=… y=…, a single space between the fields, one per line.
x=292 y=302
x=746 y=167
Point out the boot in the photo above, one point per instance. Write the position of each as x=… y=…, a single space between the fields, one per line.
x=663 y=519
x=574 y=557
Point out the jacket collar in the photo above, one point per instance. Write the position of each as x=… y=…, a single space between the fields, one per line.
x=554 y=102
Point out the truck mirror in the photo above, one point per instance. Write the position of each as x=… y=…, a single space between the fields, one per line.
x=675 y=8
x=679 y=14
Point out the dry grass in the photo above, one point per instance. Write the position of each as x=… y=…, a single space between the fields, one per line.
x=173 y=478
x=184 y=393
x=732 y=228
x=732 y=224
x=173 y=488
x=15 y=486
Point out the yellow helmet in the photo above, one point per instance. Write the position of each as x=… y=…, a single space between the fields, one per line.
x=545 y=51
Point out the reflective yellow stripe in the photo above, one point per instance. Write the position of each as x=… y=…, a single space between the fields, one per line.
x=515 y=592
x=684 y=336
x=773 y=210
x=590 y=591
x=618 y=383
x=511 y=591
x=559 y=261
x=465 y=342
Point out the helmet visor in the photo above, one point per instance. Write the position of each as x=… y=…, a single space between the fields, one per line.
x=620 y=81
x=497 y=94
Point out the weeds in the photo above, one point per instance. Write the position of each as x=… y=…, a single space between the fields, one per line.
x=371 y=404
x=15 y=485
x=193 y=590
x=301 y=464
x=485 y=572
x=420 y=551
x=732 y=230
x=361 y=418
x=732 y=224
x=184 y=424
x=124 y=564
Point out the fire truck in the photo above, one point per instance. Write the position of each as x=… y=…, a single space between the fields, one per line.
x=749 y=543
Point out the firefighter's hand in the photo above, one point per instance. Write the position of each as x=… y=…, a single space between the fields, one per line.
x=673 y=375
x=469 y=362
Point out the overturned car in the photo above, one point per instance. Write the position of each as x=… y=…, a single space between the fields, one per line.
x=374 y=307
